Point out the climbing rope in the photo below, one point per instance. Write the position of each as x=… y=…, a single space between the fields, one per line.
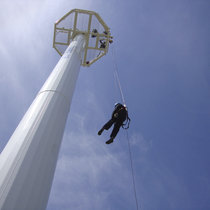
x=131 y=163
x=116 y=75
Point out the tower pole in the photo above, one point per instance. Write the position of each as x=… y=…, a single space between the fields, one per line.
x=28 y=161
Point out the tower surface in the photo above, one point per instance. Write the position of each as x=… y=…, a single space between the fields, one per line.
x=28 y=161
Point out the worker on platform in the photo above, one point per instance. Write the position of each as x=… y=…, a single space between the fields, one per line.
x=103 y=43
x=119 y=115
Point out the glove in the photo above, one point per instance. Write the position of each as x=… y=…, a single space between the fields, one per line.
x=115 y=115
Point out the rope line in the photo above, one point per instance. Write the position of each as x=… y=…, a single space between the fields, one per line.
x=131 y=163
x=116 y=75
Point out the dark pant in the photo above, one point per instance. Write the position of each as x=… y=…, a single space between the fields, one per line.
x=117 y=125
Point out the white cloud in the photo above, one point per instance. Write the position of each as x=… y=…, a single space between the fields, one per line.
x=140 y=143
x=84 y=166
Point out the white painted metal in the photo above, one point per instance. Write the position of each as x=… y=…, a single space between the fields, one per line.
x=28 y=161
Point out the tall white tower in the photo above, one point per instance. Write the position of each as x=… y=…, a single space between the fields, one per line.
x=28 y=161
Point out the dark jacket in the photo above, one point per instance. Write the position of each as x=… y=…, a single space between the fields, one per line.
x=120 y=113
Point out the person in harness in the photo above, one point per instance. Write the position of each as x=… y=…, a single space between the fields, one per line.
x=119 y=116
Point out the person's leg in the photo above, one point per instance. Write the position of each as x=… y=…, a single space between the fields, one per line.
x=109 y=124
x=106 y=126
x=115 y=130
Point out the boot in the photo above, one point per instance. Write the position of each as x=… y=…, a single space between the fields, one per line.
x=100 y=132
x=110 y=140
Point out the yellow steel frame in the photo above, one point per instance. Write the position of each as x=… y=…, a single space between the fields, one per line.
x=72 y=32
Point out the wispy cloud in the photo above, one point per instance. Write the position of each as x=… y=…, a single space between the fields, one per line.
x=140 y=143
x=83 y=172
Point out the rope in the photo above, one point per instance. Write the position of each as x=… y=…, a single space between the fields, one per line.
x=131 y=163
x=116 y=75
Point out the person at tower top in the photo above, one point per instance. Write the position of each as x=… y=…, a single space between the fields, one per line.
x=119 y=115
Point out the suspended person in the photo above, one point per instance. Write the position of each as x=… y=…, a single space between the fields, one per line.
x=103 y=43
x=119 y=115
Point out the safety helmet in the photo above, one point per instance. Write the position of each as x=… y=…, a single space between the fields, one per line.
x=117 y=104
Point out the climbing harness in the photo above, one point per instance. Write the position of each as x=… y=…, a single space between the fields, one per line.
x=126 y=124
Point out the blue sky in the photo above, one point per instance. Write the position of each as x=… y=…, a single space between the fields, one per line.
x=162 y=52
